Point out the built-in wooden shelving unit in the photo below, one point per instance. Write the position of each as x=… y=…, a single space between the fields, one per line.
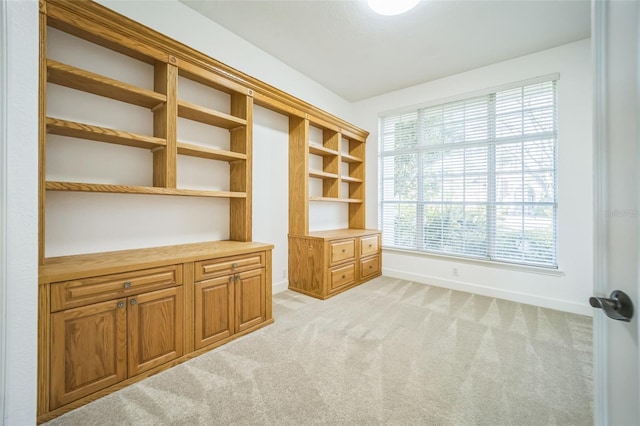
x=193 y=282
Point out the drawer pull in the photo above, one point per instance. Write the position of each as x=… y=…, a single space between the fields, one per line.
x=344 y=250
x=127 y=284
x=370 y=245
x=134 y=301
x=344 y=276
x=234 y=265
x=120 y=304
x=370 y=267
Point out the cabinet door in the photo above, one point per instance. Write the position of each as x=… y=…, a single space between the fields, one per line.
x=88 y=350
x=214 y=310
x=155 y=329
x=250 y=299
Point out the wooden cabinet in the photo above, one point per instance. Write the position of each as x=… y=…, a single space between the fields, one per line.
x=231 y=302
x=88 y=350
x=329 y=262
x=154 y=325
x=99 y=345
x=214 y=310
x=250 y=303
x=110 y=319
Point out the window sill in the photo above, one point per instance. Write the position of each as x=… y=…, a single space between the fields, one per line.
x=478 y=262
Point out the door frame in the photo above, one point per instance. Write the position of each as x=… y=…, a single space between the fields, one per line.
x=3 y=205
x=600 y=204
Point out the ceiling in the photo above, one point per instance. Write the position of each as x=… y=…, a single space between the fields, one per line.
x=357 y=54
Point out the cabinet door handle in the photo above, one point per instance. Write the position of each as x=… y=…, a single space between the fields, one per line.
x=231 y=279
x=134 y=301
x=120 y=304
x=127 y=284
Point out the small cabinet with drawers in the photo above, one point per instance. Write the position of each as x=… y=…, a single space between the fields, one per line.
x=329 y=262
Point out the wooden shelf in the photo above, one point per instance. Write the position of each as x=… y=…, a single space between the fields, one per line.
x=209 y=116
x=351 y=159
x=336 y=200
x=147 y=190
x=101 y=134
x=209 y=153
x=350 y=179
x=322 y=175
x=321 y=150
x=75 y=78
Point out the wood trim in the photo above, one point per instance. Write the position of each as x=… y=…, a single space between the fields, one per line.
x=269 y=286
x=599 y=28
x=188 y=335
x=42 y=132
x=44 y=348
x=103 y=26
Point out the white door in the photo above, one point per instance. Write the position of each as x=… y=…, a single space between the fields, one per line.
x=617 y=203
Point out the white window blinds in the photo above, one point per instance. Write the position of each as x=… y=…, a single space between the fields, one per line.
x=475 y=178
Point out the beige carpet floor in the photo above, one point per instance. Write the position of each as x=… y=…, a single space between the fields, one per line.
x=387 y=352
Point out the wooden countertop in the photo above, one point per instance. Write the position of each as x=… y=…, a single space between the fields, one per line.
x=85 y=265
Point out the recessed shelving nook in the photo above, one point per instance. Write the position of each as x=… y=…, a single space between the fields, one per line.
x=111 y=318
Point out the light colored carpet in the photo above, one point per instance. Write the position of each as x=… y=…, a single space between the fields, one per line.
x=386 y=352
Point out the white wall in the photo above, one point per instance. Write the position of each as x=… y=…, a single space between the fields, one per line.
x=79 y=223
x=182 y=23
x=568 y=290
x=21 y=215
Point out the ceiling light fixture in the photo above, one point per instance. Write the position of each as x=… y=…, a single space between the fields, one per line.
x=392 y=7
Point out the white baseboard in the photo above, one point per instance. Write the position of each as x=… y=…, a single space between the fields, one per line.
x=279 y=287
x=514 y=296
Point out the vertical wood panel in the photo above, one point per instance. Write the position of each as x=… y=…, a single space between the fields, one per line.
x=269 y=286
x=241 y=171
x=42 y=132
x=165 y=125
x=188 y=291
x=298 y=176
x=44 y=348
x=357 y=190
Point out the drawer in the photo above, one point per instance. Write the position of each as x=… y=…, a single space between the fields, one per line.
x=342 y=250
x=71 y=294
x=342 y=275
x=369 y=245
x=369 y=266
x=228 y=265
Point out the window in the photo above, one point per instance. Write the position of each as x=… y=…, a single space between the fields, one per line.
x=473 y=178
